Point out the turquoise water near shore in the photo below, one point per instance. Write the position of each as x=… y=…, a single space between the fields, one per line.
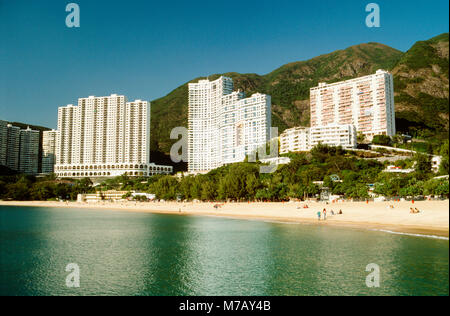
x=122 y=253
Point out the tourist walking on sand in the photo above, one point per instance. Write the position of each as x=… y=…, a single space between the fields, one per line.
x=318 y=215
x=324 y=214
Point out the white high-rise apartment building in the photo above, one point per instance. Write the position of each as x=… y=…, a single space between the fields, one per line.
x=365 y=102
x=295 y=140
x=224 y=126
x=29 y=151
x=105 y=137
x=205 y=102
x=49 y=139
x=137 y=132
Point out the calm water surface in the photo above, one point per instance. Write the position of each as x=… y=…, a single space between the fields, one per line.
x=147 y=254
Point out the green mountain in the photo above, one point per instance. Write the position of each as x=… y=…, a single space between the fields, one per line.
x=422 y=88
x=421 y=77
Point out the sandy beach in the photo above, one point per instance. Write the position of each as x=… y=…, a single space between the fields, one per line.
x=433 y=218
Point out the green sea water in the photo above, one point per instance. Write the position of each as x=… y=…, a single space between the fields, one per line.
x=121 y=253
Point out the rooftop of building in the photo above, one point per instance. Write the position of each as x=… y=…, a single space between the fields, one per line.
x=326 y=85
x=206 y=81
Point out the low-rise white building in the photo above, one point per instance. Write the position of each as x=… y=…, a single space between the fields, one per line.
x=148 y=196
x=305 y=138
x=394 y=169
x=112 y=170
x=110 y=195
x=294 y=140
x=277 y=160
x=334 y=135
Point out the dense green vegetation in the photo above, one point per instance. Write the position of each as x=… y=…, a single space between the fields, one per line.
x=383 y=140
x=423 y=54
x=421 y=120
x=24 y=188
x=343 y=172
x=299 y=179
x=421 y=90
x=431 y=147
x=445 y=165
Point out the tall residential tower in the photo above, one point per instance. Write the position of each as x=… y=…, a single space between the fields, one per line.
x=224 y=126
x=365 y=102
x=105 y=137
x=9 y=145
x=49 y=139
x=29 y=151
x=3 y=142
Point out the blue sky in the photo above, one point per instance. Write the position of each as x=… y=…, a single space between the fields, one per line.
x=144 y=49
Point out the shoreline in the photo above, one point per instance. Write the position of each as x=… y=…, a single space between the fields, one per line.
x=378 y=216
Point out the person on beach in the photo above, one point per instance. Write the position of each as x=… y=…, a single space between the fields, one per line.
x=414 y=211
x=324 y=214
x=318 y=215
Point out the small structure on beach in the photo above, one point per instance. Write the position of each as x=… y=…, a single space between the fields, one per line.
x=325 y=193
x=148 y=196
x=111 y=195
